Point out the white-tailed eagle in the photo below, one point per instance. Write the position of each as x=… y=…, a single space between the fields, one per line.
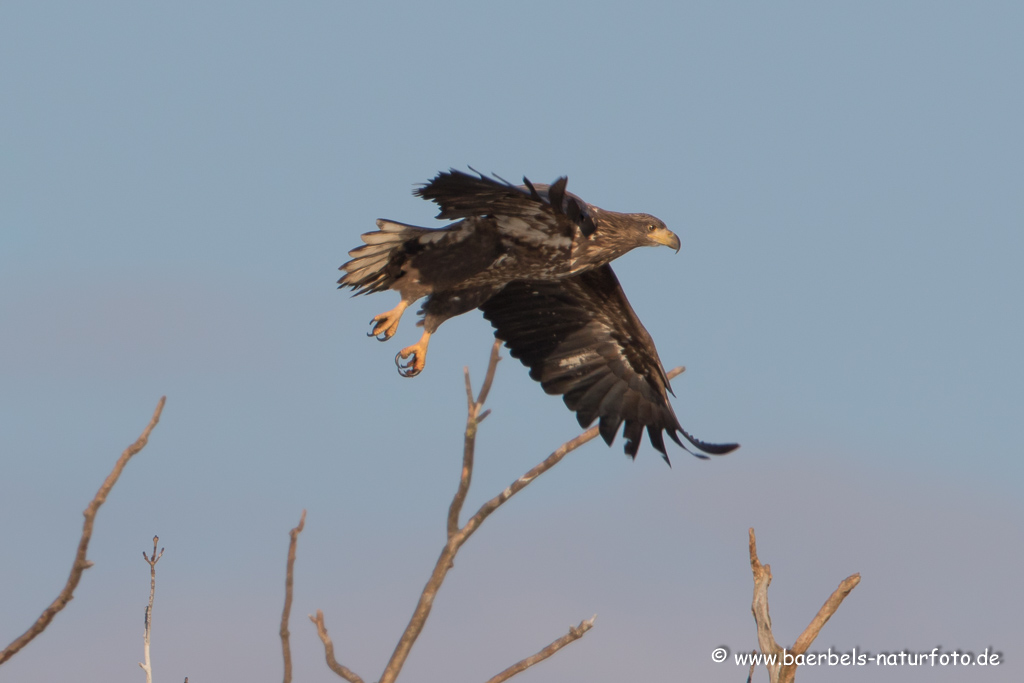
x=534 y=259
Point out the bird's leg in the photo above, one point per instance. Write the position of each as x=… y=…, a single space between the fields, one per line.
x=416 y=363
x=386 y=324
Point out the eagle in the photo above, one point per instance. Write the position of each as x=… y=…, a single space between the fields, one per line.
x=535 y=259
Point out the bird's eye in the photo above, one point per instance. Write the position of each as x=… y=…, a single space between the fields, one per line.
x=650 y=228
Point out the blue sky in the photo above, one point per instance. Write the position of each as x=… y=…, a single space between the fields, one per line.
x=178 y=185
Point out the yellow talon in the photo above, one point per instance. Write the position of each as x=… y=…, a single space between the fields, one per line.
x=418 y=360
x=386 y=324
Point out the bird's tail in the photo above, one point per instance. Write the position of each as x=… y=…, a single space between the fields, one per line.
x=377 y=264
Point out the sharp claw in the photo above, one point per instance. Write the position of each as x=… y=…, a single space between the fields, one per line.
x=409 y=369
x=379 y=336
x=382 y=329
x=384 y=326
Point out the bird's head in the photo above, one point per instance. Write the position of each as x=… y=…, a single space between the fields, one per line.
x=619 y=233
x=655 y=233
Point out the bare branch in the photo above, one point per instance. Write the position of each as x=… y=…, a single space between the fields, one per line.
x=522 y=482
x=825 y=613
x=458 y=536
x=422 y=611
x=469 y=389
x=762 y=579
x=777 y=673
x=468 y=448
x=489 y=378
x=519 y=484
x=288 y=582
x=575 y=633
x=473 y=418
x=81 y=563
x=321 y=630
x=151 y=561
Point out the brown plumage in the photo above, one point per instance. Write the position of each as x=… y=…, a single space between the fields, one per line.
x=534 y=259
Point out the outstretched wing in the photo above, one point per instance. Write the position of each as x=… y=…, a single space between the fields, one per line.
x=581 y=339
x=461 y=195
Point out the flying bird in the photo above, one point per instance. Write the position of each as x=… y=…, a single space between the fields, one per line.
x=535 y=259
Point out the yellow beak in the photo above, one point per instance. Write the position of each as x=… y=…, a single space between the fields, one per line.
x=666 y=237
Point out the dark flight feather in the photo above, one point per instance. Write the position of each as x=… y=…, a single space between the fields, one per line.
x=581 y=339
x=461 y=195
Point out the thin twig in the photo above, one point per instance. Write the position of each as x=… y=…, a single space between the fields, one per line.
x=151 y=561
x=468 y=448
x=489 y=378
x=337 y=668
x=81 y=563
x=458 y=536
x=288 y=582
x=522 y=482
x=777 y=673
x=575 y=633
x=456 y=540
x=473 y=418
x=519 y=484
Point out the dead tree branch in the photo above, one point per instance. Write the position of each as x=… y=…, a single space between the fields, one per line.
x=288 y=583
x=456 y=540
x=337 y=668
x=151 y=561
x=777 y=672
x=81 y=563
x=473 y=418
x=457 y=536
x=575 y=633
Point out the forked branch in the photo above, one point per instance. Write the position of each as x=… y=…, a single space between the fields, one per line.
x=81 y=562
x=146 y=664
x=777 y=672
x=473 y=418
x=457 y=536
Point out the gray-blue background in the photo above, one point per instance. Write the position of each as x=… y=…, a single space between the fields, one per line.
x=179 y=183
